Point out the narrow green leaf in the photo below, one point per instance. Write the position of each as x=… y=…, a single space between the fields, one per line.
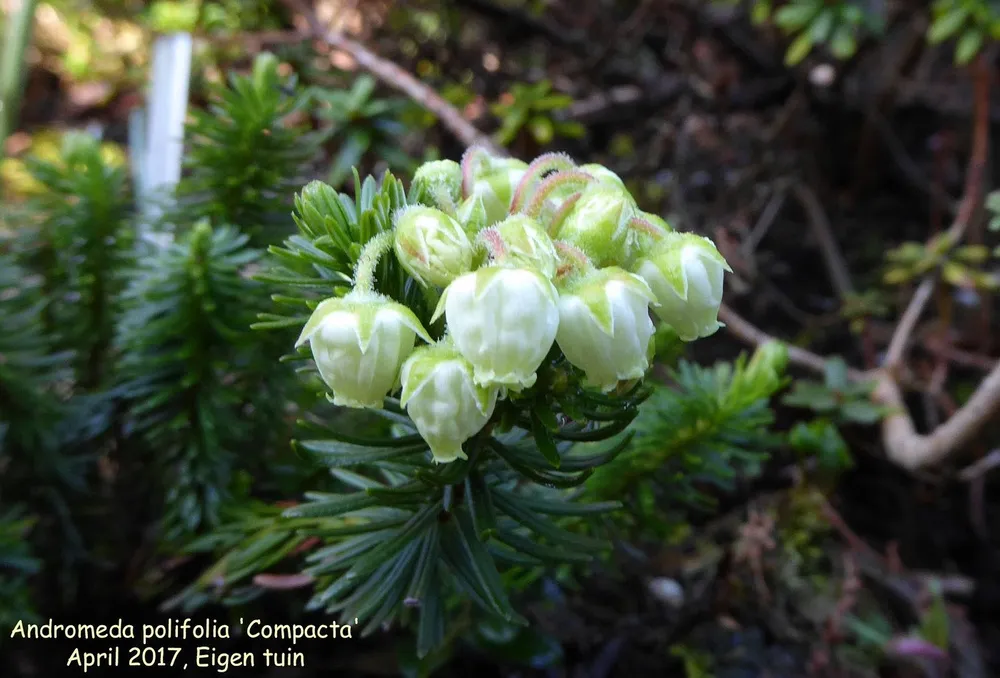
x=947 y=25
x=968 y=46
x=578 y=462
x=797 y=15
x=543 y=439
x=335 y=453
x=409 y=533
x=389 y=588
x=472 y=564
x=594 y=435
x=539 y=551
x=566 y=508
x=510 y=556
x=425 y=569
x=334 y=506
x=540 y=477
x=480 y=503
x=509 y=504
x=430 y=629
x=343 y=436
x=799 y=49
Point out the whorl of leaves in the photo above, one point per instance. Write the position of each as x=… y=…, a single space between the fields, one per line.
x=45 y=432
x=709 y=429
x=190 y=366
x=83 y=238
x=244 y=158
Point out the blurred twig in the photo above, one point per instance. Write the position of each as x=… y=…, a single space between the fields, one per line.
x=903 y=444
x=393 y=75
x=745 y=331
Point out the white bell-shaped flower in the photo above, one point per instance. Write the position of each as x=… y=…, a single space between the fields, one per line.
x=604 y=326
x=685 y=272
x=431 y=246
x=359 y=344
x=443 y=401
x=504 y=321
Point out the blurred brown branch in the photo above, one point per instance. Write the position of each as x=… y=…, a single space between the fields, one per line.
x=903 y=444
x=396 y=77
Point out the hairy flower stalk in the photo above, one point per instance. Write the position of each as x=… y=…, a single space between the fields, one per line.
x=431 y=246
x=552 y=193
x=443 y=400
x=359 y=341
x=685 y=272
x=535 y=174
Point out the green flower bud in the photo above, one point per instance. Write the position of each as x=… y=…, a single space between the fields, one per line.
x=602 y=174
x=443 y=401
x=359 y=343
x=604 y=326
x=598 y=224
x=640 y=242
x=495 y=181
x=503 y=321
x=685 y=272
x=767 y=365
x=471 y=215
x=438 y=178
x=431 y=246
x=527 y=244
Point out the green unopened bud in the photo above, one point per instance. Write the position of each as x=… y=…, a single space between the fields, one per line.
x=767 y=365
x=602 y=174
x=495 y=181
x=437 y=181
x=604 y=326
x=315 y=207
x=443 y=401
x=265 y=72
x=359 y=343
x=599 y=224
x=685 y=272
x=640 y=242
x=471 y=215
x=527 y=244
x=503 y=321
x=431 y=246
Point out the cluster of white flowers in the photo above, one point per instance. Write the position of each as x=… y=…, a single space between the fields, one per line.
x=523 y=257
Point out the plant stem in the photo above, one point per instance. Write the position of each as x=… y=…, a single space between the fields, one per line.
x=364 y=274
x=15 y=43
